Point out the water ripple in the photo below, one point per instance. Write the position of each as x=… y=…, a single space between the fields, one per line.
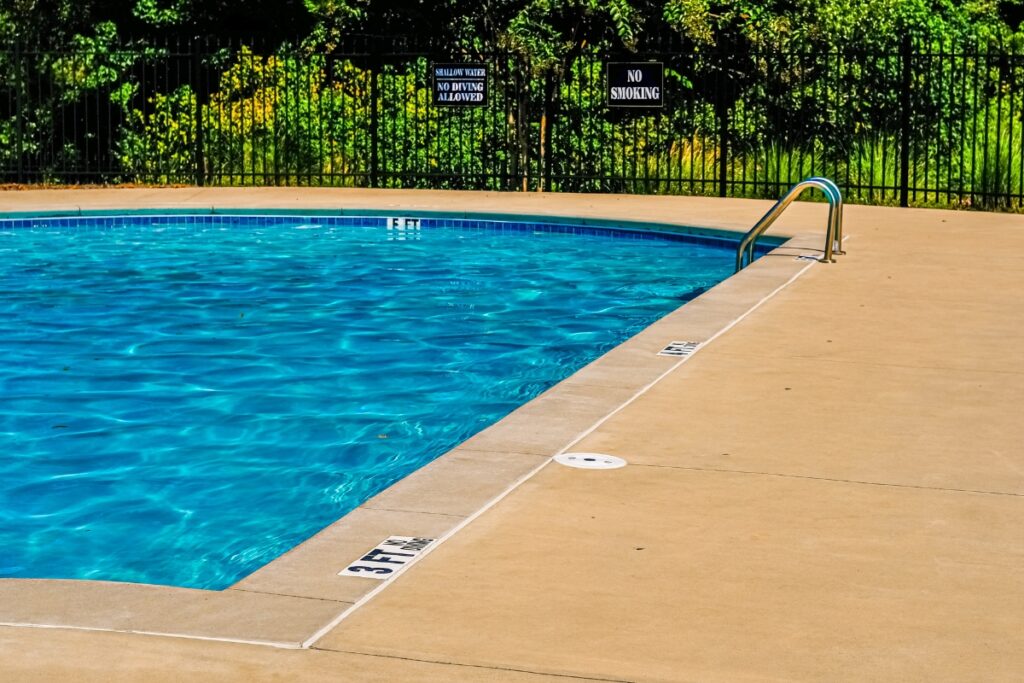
x=183 y=404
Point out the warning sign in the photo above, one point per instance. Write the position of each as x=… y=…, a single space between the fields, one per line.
x=460 y=85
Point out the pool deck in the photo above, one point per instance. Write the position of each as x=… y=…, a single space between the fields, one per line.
x=832 y=488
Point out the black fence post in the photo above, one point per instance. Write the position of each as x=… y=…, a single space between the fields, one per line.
x=523 y=125
x=722 y=113
x=906 y=55
x=199 y=155
x=545 y=132
x=19 y=142
x=374 y=69
x=512 y=137
x=723 y=150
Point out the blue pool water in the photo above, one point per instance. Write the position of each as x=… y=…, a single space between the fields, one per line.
x=183 y=401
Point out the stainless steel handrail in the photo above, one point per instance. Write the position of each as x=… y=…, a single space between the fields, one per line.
x=834 y=232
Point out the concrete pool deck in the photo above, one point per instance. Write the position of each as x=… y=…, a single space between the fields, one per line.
x=832 y=489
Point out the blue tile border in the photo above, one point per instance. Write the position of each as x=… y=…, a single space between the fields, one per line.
x=238 y=218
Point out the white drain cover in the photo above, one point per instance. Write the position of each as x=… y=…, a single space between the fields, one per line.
x=590 y=461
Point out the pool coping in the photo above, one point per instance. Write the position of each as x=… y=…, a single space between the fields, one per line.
x=297 y=597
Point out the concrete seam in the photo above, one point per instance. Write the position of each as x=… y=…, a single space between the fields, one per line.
x=213 y=639
x=832 y=479
x=474 y=666
x=414 y=512
x=288 y=595
x=873 y=364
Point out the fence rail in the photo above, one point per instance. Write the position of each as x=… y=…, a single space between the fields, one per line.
x=917 y=125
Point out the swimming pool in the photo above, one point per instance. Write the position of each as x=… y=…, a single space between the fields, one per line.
x=187 y=397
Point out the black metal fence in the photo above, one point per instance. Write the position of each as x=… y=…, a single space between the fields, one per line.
x=917 y=125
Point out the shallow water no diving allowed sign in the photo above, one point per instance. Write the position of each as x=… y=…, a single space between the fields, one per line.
x=459 y=85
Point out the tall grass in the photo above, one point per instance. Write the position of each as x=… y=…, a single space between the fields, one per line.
x=994 y=165
x=986 y=171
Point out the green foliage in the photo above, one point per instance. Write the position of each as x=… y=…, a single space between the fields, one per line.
x=152 y=13
x=869 y=24
x=92 y=62
x=317 y=114
x=692 y=18
x=342 y=12
x=158 y=144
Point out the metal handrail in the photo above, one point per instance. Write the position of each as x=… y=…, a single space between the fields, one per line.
x=834 y=233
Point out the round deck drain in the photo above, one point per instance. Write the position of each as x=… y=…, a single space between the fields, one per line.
x=590 y=461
